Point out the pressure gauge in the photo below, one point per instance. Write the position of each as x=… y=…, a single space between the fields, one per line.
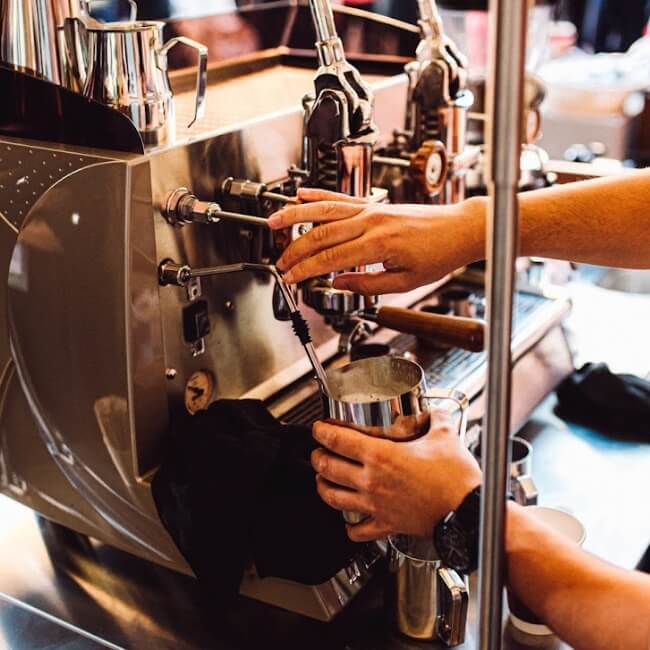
x=199 y=391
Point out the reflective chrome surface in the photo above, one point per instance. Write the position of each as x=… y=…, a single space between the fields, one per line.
x=505 y=98
x=425 y=600
x=386 y=397
x=127 y=69
x=28 y=37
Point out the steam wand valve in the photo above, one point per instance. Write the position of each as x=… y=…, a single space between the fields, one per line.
x=173 y=274
x=182 y=207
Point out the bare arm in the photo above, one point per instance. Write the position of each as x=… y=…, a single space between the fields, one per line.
x=604 y=221
x=588 y=603
x=408 y=487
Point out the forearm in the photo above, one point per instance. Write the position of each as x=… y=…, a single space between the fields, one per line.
x=604 y=221
x=588 y=603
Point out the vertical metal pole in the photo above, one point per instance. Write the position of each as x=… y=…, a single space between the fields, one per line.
x=508 y=22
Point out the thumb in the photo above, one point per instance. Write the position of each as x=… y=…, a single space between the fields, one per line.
x=441 y=423
x=373 y=284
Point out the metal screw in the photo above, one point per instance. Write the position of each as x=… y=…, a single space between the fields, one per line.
x=170 y=373
x=229 y=305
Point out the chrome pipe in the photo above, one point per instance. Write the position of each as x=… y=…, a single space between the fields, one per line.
x=505 y=100
x=323 y=15
x=328 y=44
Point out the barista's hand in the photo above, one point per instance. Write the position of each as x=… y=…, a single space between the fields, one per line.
x=405 y=487
x=416 y=244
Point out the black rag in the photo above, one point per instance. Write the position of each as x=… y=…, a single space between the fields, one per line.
x=236 y=486
x=595 y=396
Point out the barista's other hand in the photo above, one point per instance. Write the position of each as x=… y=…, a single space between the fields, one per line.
x=405 y=487
x=416 y=244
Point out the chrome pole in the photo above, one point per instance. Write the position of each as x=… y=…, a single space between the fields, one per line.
x=508 y=22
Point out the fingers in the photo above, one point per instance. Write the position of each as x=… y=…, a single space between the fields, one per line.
x=376 y=283
x=311 y=194
x=345 y=442
x=339 y=257
x=337 y=470
x=314 y=212
x=319 y=239
x=368 y=531
x=341 y=499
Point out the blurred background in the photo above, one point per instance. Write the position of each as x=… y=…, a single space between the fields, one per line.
x=591 y=58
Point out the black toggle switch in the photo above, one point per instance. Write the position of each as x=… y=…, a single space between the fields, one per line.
x=196 y=321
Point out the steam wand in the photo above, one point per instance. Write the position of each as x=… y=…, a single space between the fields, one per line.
x=180 y=275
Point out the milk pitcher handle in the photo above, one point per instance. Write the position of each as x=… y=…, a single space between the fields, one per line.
x=524 y=490
x=457 y=396
x=453 y=599
x=202 y=71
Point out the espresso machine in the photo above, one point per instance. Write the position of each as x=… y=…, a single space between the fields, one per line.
x=140 y=267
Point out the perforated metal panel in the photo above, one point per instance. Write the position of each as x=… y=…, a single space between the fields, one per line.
x=27 y=172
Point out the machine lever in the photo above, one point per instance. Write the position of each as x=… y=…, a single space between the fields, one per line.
x=456 y=331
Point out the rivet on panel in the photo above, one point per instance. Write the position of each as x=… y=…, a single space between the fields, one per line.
x=171 y=373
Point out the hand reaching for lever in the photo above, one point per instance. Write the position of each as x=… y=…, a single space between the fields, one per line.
x=416 y=244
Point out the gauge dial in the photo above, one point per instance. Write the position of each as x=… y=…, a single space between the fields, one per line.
x=199 y=391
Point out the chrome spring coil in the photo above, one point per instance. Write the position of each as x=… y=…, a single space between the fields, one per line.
x=430 y=126
x=328 y=169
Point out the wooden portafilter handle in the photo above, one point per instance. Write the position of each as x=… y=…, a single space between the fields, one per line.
x=455 y=331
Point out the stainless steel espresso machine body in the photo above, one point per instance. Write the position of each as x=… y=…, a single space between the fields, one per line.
x=97 y=356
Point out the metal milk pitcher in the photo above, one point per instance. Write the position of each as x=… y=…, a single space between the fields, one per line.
x=386 y=397
x=425 y=600
x=127 y=70
x=28 y=37
x=73 y=20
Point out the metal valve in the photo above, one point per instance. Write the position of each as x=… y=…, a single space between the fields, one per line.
x=429 y=167
x=182 y=207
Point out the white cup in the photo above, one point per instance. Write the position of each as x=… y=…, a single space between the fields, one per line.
x=568 y=526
